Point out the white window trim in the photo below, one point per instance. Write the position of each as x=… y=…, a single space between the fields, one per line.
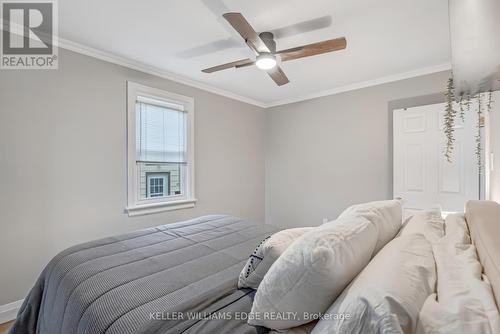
x=134 y=208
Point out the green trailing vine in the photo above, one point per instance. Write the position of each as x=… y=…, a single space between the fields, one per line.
x=449 y=120
x=490 y=100
x=464 y=106
x=468 y=102
x=478 y=129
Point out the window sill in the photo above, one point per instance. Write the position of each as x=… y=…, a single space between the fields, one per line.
x=146 y=209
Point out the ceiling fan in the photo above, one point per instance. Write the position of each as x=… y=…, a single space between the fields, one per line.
x=264 y=47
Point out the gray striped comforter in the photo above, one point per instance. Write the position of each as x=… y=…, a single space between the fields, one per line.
x=167 y=279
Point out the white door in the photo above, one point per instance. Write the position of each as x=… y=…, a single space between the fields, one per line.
x=422 y=175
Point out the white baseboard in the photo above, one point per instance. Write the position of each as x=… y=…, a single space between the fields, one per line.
x=8 y=312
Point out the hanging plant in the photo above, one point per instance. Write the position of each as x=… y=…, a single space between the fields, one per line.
x=449 y=120
x=478 y=129
x=464 y=105
x=490 y=100
x=468 y=103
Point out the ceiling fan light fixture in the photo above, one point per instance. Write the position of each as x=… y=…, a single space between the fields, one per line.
x=266 y=61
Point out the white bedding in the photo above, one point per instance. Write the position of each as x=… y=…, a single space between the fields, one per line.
x=388 y=294
x=266 y=253
x=386 y=216
x=422 y=282
x=429 y=223
x=304 y=329
x=312 y=272
x=464 y=302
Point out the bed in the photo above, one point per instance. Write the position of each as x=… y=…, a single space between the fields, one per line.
x=166 y=279
x=183 y=278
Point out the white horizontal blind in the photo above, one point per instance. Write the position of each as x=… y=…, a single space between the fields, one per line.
x=160 y=131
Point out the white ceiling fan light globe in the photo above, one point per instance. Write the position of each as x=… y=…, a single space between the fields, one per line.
x=266 y=61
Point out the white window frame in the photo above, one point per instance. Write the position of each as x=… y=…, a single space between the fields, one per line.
x=141 y=207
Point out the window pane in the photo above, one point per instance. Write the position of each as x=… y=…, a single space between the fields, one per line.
x=161 y=134
x=160 y=179
x=156 y=181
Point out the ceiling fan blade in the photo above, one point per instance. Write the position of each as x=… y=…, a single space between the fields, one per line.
x=245 y=65
x=238 y=63
x=241 y=25
x=303 y=27
x=278 y=76
x=313 y=49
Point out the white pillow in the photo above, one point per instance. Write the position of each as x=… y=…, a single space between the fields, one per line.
x=387 y=216
x=312 y=272
x=304 y=329
x=465 y=302
x=266 y=253
x=456 y=229
x=429 y=223
x=388 y=294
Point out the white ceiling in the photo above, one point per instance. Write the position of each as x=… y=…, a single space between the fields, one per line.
x=386 y=38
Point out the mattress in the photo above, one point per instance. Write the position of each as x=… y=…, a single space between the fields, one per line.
x=174 y=278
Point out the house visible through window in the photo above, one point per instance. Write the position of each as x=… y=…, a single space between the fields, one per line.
x=158 y=184
x=160 y=162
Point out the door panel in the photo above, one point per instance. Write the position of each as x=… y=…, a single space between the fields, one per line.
x=422 y=175
x=414 y=168
x=450 y=176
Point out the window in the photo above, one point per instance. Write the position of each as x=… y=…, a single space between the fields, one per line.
x=160 y=150
x=158 y=185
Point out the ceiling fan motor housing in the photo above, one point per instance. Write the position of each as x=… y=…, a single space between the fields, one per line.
x=268 y=39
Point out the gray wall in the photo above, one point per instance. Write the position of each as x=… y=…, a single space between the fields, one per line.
x=63 y=161
x=63 y=158
x=325 y=154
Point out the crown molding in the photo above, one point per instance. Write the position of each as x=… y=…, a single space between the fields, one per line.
x=364 y=84
x=115 y=59
x=132 y=64
x=135 y=65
